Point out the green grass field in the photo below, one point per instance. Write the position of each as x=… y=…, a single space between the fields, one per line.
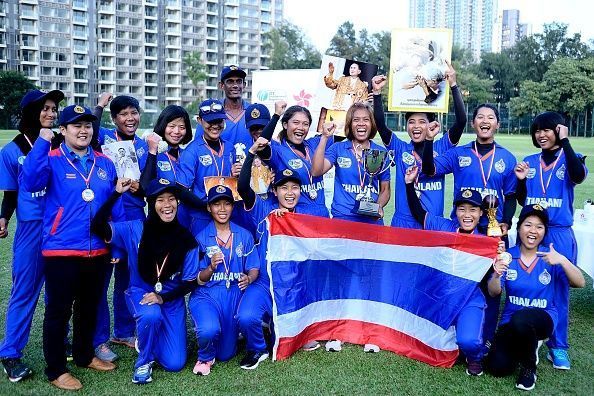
x=348 y=372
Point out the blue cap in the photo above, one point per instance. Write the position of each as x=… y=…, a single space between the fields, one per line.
x=232 y=70
x=285 y=176
x=219 y=192
x=256 y=114
x=74 y=113
x=539 y=210
x=157 y=186
x=37 y=95
x=469 y=196
x=211 y=110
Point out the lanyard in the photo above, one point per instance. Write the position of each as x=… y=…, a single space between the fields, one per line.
x=542 y=165
x=359 y=161
x=171 y=161
x=476 y=153
x=28 y=141
x=159 y=270
x=215 y=155
x=307 y=159
x=86 y=179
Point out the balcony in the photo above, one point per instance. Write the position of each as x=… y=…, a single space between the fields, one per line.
x=80 y=4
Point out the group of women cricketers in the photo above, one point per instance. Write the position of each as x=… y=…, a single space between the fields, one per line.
x=181 y=230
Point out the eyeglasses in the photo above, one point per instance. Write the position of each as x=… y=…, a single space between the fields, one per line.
x=212 y=108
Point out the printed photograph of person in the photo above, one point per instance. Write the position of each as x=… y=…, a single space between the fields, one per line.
x=123 y=156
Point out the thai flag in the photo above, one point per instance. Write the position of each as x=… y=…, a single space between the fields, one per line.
x=397 y=288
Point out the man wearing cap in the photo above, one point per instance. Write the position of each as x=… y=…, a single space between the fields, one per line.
x=77 y=181
x=125 y=114
x=39 y=110
x=470 y=321
x=207 y=156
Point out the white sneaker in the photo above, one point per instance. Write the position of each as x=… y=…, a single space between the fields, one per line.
x=334 y=346
x=371 y=348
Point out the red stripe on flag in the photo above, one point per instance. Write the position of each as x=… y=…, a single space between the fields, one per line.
x=305 y=226
x=357 y=332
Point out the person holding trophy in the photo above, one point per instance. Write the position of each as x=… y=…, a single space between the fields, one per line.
x=549 y=178
x=362 y=180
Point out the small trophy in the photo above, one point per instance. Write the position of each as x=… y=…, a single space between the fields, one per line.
x=490 y=204
x=373 y=162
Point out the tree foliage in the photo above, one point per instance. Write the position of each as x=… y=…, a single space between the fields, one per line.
x=289 y=48
x=13 y=86
x=195 y=69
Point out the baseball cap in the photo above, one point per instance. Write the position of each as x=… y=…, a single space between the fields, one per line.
x=38 y=95
x=537 y=210
x=232 y=70
x=75 y=113
x=256 y=114
x=157 y=186
x=219 y=192
x=468 y=196
x=285 y=176
x=211 y=110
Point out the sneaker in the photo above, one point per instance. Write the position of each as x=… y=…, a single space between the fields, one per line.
x=252 y=360
x=203 y=368
x=127 y=341
x=334 y=346
x=537 y=349
x=371 y=348
x=560 y=358
x=310 y=346
x=68 y=352
x=526 y=380
x=105 y=353
x=474 y=368
x=15 y=369
x=143 y=374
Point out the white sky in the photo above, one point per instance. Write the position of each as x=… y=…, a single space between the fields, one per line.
x=320 y=19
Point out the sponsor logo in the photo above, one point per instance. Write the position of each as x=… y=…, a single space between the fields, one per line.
x=464 y=161
x=344 y=162
x=165 y=166
x=205 y=160
x=21 y=159
x=531 y=173
x=407 y=158
x=511 y=275
x=295 y=163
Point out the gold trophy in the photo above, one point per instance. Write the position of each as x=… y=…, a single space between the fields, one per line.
x=490 y=204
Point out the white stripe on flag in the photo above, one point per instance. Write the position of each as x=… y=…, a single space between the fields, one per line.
x=448 y=260
x=291 y=324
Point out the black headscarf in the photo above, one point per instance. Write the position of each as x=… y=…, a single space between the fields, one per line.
x=160 y=239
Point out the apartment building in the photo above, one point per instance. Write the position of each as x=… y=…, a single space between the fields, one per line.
x=133 y=47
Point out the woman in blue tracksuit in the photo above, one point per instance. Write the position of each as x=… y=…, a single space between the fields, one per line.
x=77 y=181
x=163 y=259
x=549 y=178
x=229 y=266
x=38 y=110
x=174 y=127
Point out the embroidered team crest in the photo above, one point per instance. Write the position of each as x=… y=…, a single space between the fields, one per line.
x=101 y=174
x=407 y=158
x=511 y=275
x=344 y=162
x=544 y=277
x=542 y=205
x=79 y=109
x=255 y=113
x=239 y=250
x=165 y=166
x=109 y=139
x=288 y=172
x=531 y=173
x=140 y=152
x=212 y=250
x=165 y=182
x=500 y=166
x=466 y=194
x=21 y=159
x=205 y=160
x=296 y=163
x=220 y=189
x=560 y=172
x=463 y=162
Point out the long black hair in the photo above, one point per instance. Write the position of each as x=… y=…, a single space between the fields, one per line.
x=546 y=120
x=289 y=113
x=170 y=113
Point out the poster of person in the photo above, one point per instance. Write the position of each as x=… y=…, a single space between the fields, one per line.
x=343 y=82
x=261 y=176
x=229 y=181
x=417 y=77
x=336 y=116
x=123 y=156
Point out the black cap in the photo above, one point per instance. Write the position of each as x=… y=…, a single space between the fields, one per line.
x=538 y=210
x=75 y=113
x=232 y=70
x=157 y=186
x=286 y=176
x=468 y=196
x=38 y=95
x=219 y=192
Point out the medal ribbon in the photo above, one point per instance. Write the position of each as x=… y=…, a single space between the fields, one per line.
x=543 y=165
x=214 y=155
x=307 y=161
x=224 y=244
x=28 y=141
x=476 y=153
x=171 y=161
x=86 y=179
x=160 y=270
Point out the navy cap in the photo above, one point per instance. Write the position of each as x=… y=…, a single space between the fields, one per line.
x=37 y=96
x=232 y=70
x=219 y=192
x=468 y=196
x=75 y=113
x=211 y=110
x=285 y=176
x=538 y=210
x=256 y=114
x=157 y=186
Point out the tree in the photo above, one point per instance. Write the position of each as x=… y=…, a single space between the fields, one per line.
x=13 y=86
x=344 y=43
x=503 y=72
x=195 y=69
x=475 y=89
x=289 y=48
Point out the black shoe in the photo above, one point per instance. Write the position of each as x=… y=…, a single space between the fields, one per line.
x=15 y=369
x=527 y=379
x=252 y=360
x=68 y=351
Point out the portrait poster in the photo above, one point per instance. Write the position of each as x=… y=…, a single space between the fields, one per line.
x=261 y=176
x=417 y=77
x=338 y=117
x=343 y=82
x=228 y=181
x=123 y=156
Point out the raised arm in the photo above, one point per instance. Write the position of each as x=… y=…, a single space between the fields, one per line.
x=455 y=132
x=149 y=172
x=575 y=164
x=377 y=83
x=36 y=169
x=320 y=163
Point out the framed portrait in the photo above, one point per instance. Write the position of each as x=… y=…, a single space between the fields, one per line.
x=418 y=69
x=123 y=156
x=338 y=117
